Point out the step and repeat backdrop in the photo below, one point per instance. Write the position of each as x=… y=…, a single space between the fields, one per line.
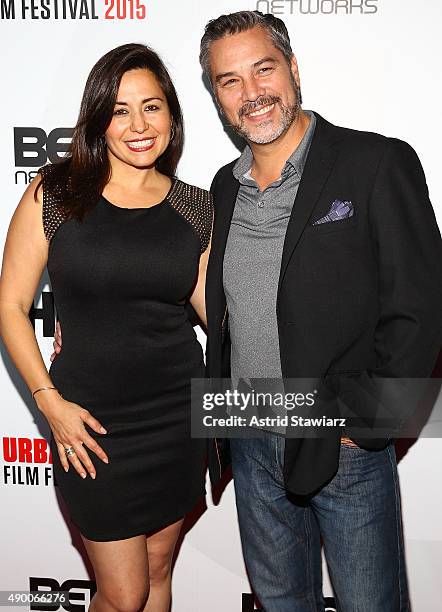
x=365 y=64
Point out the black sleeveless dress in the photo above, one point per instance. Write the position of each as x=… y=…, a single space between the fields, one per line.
x=120 y=280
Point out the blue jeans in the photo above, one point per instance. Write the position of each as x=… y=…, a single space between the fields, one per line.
x=357 y=516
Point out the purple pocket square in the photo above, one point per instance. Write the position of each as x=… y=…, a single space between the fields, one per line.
x=339 y=210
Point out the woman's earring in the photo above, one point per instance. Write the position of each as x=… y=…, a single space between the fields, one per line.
x=172 y=131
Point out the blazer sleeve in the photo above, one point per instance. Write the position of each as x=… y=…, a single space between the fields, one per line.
x=408 y=251
x=407 y=247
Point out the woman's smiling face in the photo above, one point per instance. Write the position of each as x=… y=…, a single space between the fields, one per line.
x=141 y=124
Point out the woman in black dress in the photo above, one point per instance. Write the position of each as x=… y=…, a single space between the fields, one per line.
x=126 y=245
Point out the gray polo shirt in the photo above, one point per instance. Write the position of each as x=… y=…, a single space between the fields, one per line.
x=252 y=262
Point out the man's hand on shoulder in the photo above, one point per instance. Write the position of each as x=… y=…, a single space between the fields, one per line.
x=57 y=341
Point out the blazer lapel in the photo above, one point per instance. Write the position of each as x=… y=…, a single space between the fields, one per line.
x=223 y=214
x=319 y=163
x=225 y=198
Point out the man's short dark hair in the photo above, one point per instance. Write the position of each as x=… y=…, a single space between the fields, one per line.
x=242 y=21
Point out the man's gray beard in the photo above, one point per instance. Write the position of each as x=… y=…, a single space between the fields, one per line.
x=289 y=115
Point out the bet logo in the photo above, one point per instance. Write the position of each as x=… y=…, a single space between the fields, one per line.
x=33 y=147
x=80 y=593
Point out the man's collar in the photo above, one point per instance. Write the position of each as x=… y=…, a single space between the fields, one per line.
x=243 y=164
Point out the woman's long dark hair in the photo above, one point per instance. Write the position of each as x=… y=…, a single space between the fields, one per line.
x=80 y=177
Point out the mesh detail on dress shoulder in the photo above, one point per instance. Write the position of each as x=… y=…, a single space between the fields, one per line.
x=53 y=216
x=196 y=206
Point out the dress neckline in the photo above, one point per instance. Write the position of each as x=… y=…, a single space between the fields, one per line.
x=174 y=182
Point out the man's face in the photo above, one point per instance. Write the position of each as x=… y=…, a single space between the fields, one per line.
x=255 y=87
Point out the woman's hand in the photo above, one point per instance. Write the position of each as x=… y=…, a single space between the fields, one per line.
x=66 y=420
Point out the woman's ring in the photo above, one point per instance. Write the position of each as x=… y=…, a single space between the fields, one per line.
x=69 y=451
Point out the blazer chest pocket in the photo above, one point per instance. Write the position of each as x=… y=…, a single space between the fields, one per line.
x=332 y=226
